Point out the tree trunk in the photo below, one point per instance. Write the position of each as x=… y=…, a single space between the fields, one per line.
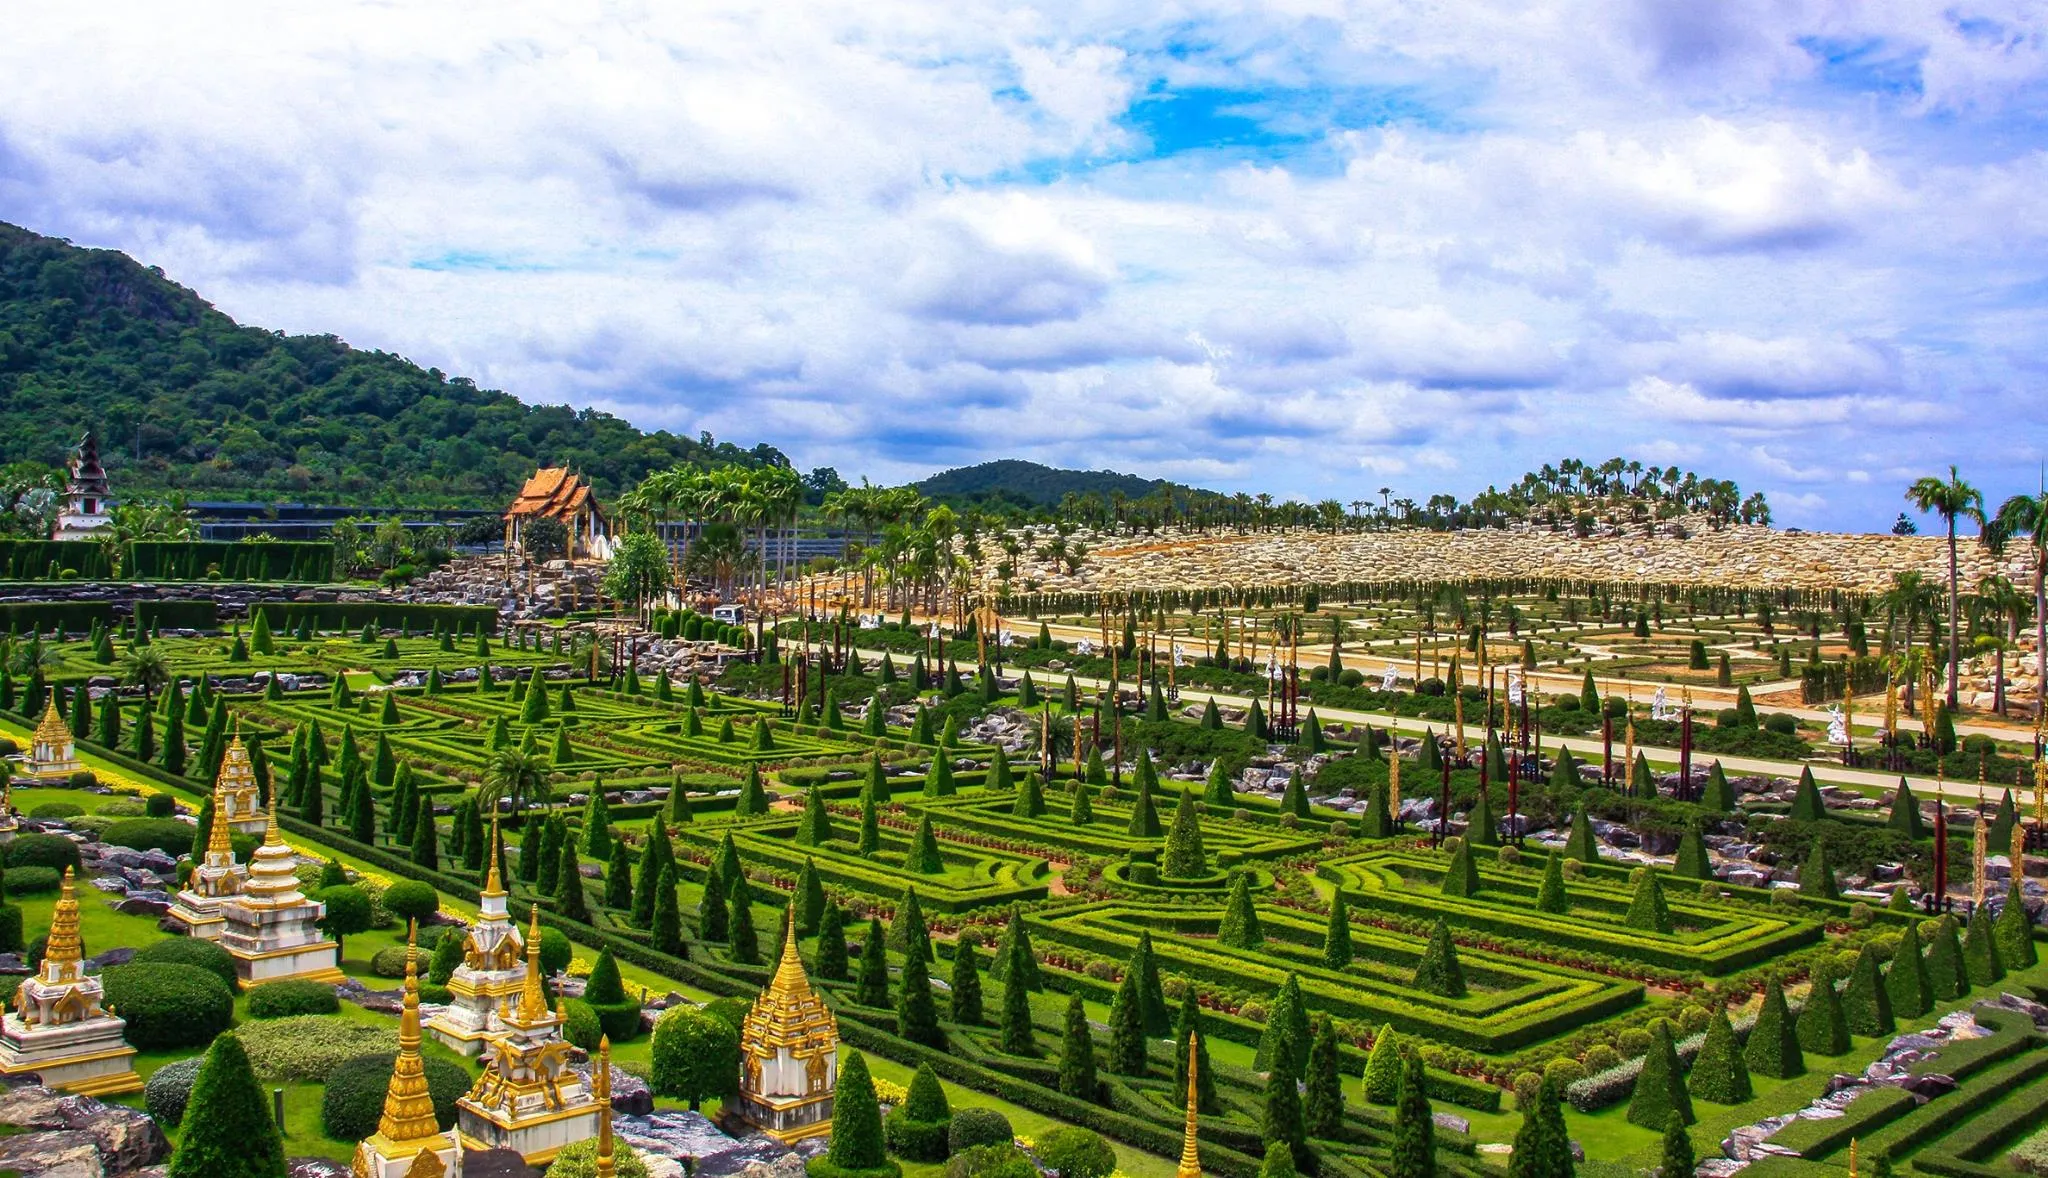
x=1955 y=670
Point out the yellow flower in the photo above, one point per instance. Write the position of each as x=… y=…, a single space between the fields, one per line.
x=579 y=967
x=889 y=1093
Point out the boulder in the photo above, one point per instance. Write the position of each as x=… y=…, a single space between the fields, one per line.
x=491 y=1163
x=62 y=1154
x=318 y=1168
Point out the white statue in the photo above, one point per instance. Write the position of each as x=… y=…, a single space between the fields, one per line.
x=1389 y=678
x=1084 y=646
x=1838 y=725
x=1273 y=667
x=871 y=621
x=1660 y=705
x=1515 y=687
x=1180 y=655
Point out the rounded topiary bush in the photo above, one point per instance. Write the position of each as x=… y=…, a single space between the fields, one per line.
x=1600 y=1057
x=389 y=962
x=157 y=806
x=168 y=835
x=169 y=1089
x=59 y=810
x=581 y=1025
x=979 y=1126
x=310 y=1047
x=355 y=1094
x=1782 y=724
x=190 y=951
x=409 y=899
x=990 y=1161
x=53 y=851
x=32 y=881
x=127 y=808
x=292 y=996
x=169 y=1005
x=1077 y=1153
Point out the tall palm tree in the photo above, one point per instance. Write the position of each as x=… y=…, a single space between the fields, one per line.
x=145 y=667
x=2001 y=603
x=1952 y=499
x=2026 y=516
x=522 y=778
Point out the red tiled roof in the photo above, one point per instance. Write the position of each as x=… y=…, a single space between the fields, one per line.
x=553 y=492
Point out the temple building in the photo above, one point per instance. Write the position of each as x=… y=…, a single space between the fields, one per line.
x=270 y=926
x=86 y=508
x=408 y=1142
x=527 y=1098
x=493 y=970
x=220 y=876
x=51 y=752
x=557 y=494
x=789 y=1054
x=57 y=1028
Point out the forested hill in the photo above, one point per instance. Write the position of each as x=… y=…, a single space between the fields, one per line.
x=186 y=398
x=1012 y=480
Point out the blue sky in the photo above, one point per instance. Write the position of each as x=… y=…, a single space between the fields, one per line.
x=1309 y=247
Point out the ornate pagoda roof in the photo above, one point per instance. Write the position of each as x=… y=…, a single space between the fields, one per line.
x=408 y=1117
x=87 y=475
x=789 y=1013
x=53 y=729
x=554 y=492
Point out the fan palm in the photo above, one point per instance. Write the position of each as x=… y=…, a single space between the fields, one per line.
x=522 y=778
x=145 y=667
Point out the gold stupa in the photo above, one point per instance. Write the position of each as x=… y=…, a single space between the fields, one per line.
x=52 y=753
x=528 y=1099
x=789 y=1053
x=220 y=875
x=408 y=1142
x=1190 y=1152
x=57 y=1028
x=270 y=927
x=493 y=969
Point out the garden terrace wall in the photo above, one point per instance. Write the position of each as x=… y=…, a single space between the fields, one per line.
x=1405 y=885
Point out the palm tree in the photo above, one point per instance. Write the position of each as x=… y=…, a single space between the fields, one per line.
x=145 y=667
x=2001 y=602
x=523 y=778
x=1952 y=500
x=2027 y=516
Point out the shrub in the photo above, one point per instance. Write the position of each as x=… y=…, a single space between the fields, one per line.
x=1600 y=1057
x=188 y=951
x=30 y=881
x=918 y=1129
x=292 y=996
x=53 y=851
x=355 y=1094
x=129 y=808
x=168 y=835
x=310 y=1047
x=168 y=1005
x=1782 y=724
x=696 y=1055
x=974 y=1127
x=990 y=1161
x=169 y=1089
x=1077 y=1153
x=409 y=899
x=579 y=1160
x=57 y=810
x=581 y=1025
x=1565 y=1070
x=389 y=962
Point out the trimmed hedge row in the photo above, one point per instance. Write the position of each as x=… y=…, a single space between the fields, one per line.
x=76 y=617
x=193 y=560
x=388 y=615
x=1818 y=1138
x=841 y=866
x=1984 y=1135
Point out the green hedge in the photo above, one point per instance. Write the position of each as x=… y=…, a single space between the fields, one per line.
x=178 y=615
x=194 y=560
x=33 y=560
x=1959 y=1153
x=76 y=617
x=390 y=615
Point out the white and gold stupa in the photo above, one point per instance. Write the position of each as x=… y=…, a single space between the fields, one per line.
x=235 y=796
x=408 y=1142
x=51 y=751
x=493 y=970
x=527 y=1098
x=57 y=1028
x=789 y=1054
x=220 y=875
x=270 y=926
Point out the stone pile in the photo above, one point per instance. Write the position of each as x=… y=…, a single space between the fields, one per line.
x=57 y=1135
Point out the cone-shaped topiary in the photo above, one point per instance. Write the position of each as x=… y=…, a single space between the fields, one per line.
x=831 y=963
x=229 y=1132
x=814 y=829
x=1014 y=953
x=1719 y=797
x=810 y=899
x=966 y=986
x=917 y=1016
x=873 y=987
x=2015 y=933
x=1239 y=928
x=924 y=856
x=1030 y=801
x=1822 y=1029
x=1127 y=1027
x=1323 y=1103
x=857 y=1146
x=1907 y=981
x=1144 y=817
x=1383 y=1067
x=1184 y=857
x=1581 y=844
x=1217 y=791
x=1980 y=949
x=1660 y=1086
x=1807 y=805
x=1077 y=1053
x=1945 y=973
x=1189 y=1026
x=1414 y=1145
x=1718 y=1072
x=1481 y=828
x=1646 y=910
x=1438 y=972
x=1866 y=1004
x=1906 y=813
x=1461 y=877
x=666 y=926
x=1817 y=876
x=1773 y=1047
x=753 y=799
x=1551 y=896
x=1692 y=855
x=1337 y=935
x=1283 y=1043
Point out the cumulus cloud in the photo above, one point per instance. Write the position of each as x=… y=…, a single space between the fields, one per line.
x=1301 y=249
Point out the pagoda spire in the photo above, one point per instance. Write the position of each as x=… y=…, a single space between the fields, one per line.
x=408 y=1107
x=64 y=950
x=601 y=1091
x=533 y=1002
x=1190 y=1153
x=493 y=886
x=53 y=729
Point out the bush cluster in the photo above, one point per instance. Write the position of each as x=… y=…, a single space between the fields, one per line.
x=190 y=951
x=310 y=1047
x=169 y=1089
x=168 y=1005
x=355 y=1094
x=290 y=997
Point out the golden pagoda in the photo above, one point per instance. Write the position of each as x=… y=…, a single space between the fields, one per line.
x=270 y=927
x=51 y=752
x=789 y=1054
x=235 y=794
x=1190 y=1152
x=57 y=1028
x=527 y=1098
x=493 y=969
x=220 y=875
x=408 y=1142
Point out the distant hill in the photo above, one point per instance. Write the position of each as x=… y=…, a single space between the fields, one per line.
x=1014 y=480
x=186 y=398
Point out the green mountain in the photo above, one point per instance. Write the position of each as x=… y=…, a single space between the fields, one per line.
x=1029 y=484
x=186 y=398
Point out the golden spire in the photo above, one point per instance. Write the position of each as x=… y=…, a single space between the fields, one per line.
x=493 y=886
x=271 y=838
x=790 y=976
x=2018 y=856
x=64 y=950
x=218 y=847
x=53 y=729
x=533 y=1003
x=601 y=1092
x=408 y=1108
x=1190 y=1153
